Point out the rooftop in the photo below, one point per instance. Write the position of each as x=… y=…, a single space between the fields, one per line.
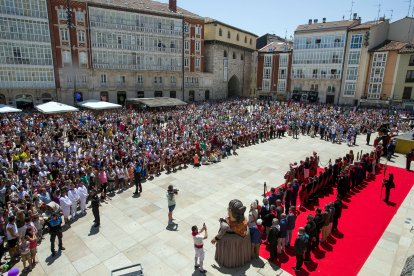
x=146 y=6
x=408 y=48
x=368 y=25
x=209 y=20
x=389 y=45
x=276 y=46
x=342 y=24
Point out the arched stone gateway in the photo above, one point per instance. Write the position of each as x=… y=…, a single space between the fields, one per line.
x=234 y=89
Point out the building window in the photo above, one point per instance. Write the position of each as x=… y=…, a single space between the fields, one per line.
x=251 y=41
x=352 y=73
x=62 y=15
x=197 y=46
x=234 y=55
x=67 y=59
x=198 y=30
x=225 y=54
x=374 y=90
x=411 y=62
x=122 y=79
x=331 y=89
x=283 y=60
x=220 y=32
x=242 y=57
x=228 y=34
x=281 y=86
x=186 y=27
x=103 y=78
x=377 y=74
x=379 y=60
x=356 y=41
x=237 y=37
x=197 y=63
x=353 y=57
x=186 y=45
x=140 y=79
x=268 y=61
x=314 y=87
x=64 y=35
x=83 y=58
x=266 y=85
x=245 y=39
x=282 y=73
x=266 y=73
x=80 y=16
x=409 y=77
x=81 y=36
x=185 y=62
x=173 y=80
x=349 y=89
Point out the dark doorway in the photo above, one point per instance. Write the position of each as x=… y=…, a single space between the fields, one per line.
x=330 y=99
x=24 y=101
x=407 y=93
x=121 y=97
x=158 y=94
x=207 y=95
x=234 y=87
x=173 y=94
x=2 y=99
x=104 y=96
x=191 y=96
x=140 y=94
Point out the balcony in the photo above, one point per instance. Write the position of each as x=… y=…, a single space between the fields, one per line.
x=190 y=84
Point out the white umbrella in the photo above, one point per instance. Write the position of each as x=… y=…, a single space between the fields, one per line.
x=55 y=108
x=98 y=105
x=8 y=109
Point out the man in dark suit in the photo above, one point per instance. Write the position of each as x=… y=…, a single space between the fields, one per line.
x=300 y=247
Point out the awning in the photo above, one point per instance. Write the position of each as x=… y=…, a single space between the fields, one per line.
x=158 y=102
x=98 y=105
x=8 y=109
x=55 y=108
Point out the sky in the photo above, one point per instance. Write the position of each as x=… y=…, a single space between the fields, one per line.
x=282 y=17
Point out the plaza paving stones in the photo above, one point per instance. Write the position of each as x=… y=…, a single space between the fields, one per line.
x=134 y=230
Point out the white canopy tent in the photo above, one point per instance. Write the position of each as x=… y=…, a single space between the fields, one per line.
x=98 y=105
x=8 y=109
x=55 y=108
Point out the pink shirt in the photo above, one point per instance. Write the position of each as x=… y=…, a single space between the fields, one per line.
x=102 y=177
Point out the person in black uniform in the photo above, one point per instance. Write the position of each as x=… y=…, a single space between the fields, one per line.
x=95 y=203
x=388 y=184
x=55 y=230
x=410 y=157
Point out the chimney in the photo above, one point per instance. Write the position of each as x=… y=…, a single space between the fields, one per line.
x=324 y=20
x=315 y=21
x=355 y=16
x=310 y=22
x=173 y=5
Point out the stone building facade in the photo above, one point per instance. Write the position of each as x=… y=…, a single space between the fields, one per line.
x=230 y=58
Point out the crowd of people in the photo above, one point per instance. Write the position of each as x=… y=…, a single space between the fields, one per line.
x=273 y=222
x=54 y=161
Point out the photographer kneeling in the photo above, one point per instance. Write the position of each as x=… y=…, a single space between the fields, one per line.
x=171 y=193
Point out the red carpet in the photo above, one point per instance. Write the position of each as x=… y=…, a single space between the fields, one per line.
x=364 y=219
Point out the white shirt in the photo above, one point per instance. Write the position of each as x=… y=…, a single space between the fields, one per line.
x=82 y=192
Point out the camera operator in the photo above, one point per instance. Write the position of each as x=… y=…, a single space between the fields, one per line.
x=171 y=193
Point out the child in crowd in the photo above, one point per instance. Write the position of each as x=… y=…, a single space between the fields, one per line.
x=32 y=238
x=24 y=248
